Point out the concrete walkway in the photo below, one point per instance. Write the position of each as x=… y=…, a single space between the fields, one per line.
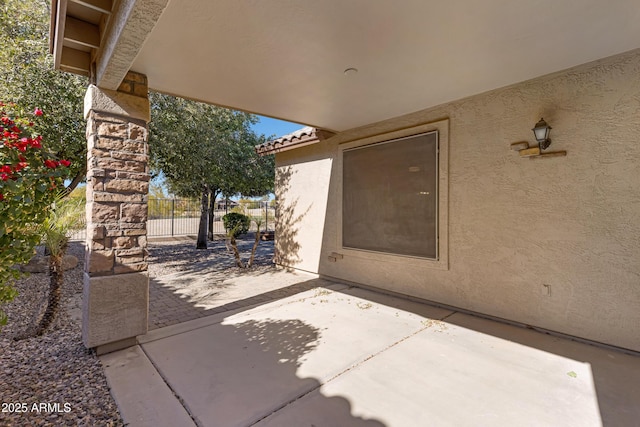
x=335 y=355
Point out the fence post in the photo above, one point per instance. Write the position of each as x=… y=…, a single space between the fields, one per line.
x=173 y=210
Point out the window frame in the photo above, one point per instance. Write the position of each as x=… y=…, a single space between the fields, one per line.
x=441 y=261
x=435 y=166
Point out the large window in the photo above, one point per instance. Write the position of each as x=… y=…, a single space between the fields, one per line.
x=390 y=197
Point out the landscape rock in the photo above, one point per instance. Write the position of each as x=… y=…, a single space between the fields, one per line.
x=40 y=264
x=54 y=368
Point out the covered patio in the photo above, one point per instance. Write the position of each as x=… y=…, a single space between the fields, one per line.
x=544 y=243
x=337 y=355
x=545 y=240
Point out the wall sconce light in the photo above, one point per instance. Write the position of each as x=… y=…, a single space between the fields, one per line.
x=541 y=131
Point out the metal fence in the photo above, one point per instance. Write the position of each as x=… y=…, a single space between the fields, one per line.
x=173 y=217
x=181 y=217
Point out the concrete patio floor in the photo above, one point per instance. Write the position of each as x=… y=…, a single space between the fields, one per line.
x=335 y=355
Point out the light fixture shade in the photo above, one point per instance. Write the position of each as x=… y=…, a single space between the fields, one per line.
x=541 y=131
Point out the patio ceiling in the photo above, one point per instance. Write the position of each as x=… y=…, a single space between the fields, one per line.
x=287 y=59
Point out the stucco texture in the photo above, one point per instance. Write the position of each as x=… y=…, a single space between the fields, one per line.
x=514 y=224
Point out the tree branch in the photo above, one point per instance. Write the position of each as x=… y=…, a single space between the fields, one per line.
x=75 y=181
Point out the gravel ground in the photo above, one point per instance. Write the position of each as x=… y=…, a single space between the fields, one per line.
x=54 y=372
x=53 y=380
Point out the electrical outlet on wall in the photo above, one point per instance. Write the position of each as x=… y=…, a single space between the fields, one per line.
x=545 y=290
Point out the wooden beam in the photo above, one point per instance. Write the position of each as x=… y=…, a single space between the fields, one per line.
x=82 y=32
x=76 y=60
x=61 y=16
x=52 y=24
x=533 y=151
x=103 y=6
x=517 y=146
x=550 y=154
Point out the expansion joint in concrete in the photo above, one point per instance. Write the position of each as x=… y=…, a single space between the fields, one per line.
x=168 y=384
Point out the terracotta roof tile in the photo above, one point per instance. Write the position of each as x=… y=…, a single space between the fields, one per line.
x=304 y=136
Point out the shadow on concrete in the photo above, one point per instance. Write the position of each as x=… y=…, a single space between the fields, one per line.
x=282 y=345
x=616 y=375
x=243 y=373
x=175 y=267
x=166 y=307
x=252 y=372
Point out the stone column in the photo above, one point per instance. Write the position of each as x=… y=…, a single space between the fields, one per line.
x=116 y=283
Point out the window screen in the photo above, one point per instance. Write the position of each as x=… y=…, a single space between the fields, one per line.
x=390 y=196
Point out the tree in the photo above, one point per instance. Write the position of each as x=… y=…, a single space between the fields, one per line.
x=234 y=230
x=27 y=77
x=206 y=151
x=30 y=179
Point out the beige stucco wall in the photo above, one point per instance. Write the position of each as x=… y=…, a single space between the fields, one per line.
x=514 y=224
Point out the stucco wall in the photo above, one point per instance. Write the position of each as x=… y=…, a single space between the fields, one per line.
x=514 y=224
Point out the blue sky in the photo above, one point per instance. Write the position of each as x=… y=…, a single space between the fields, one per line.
x=273 y=127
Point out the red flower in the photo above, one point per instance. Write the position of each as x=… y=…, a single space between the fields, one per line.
x=20 y=166
x=5 y=169
x=51 y=164
x=1 y=197
x=65 y=163
x=4 y=176
x=37 y=112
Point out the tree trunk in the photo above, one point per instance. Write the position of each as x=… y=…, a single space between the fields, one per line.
x=202 y=229
x=56 y=279
x=75 y=181
x=236 y=253
x=211 y=217
x=212 y=213
x=255 y=245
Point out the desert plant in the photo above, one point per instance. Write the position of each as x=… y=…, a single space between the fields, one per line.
x=65 y=218
x=258 y=222
x=236 y=223
x=231 y=239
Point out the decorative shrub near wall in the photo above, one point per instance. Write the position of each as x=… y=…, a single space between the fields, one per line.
x=30 y=179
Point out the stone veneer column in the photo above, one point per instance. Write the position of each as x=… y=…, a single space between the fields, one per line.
x=116 y=283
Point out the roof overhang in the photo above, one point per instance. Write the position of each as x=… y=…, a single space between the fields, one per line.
x=101 y=38
x=76 y=32
x=297 y=139
x=288 y=59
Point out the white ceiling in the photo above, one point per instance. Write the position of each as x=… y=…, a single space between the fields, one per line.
x=286 y=58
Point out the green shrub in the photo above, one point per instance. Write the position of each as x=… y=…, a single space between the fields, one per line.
x=30 y=180
x=236 y=223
